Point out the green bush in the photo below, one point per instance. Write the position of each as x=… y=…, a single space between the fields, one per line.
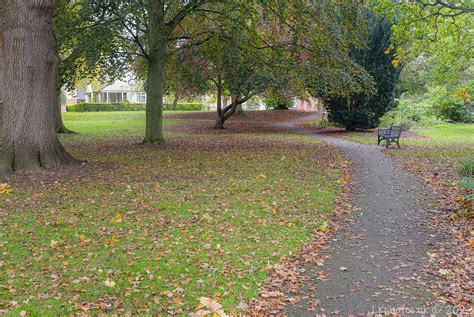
x=97 y=107
x=364 y=110
x=467 y=193
x=271 y=103
x=408 y=113
x=467 y=169
x=352 y=119
x=184 y=106
x=276 y=100
x=455 y=111
x=124 y=106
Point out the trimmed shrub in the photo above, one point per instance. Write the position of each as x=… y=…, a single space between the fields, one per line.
x=184 y=106
x=97 y=107
x=123 y=106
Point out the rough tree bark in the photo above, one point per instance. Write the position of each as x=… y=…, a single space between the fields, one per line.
x=29 y=138
x=5 y=156
x=157 y=57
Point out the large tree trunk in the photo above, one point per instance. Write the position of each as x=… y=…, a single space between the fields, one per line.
x=155 y=88
x=6 y=157
x=30 y=140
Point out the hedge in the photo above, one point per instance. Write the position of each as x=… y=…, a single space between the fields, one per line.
x=123 y=106
x=184 y=106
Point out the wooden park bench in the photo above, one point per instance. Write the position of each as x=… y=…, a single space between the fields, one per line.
x=390 y=135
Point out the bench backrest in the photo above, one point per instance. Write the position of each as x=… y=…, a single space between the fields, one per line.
x=396 y=130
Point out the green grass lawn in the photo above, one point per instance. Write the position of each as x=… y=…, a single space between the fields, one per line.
x=450 y=134
x=120 y=123
x=151 y=229
x=446 y=134
x=446 y=142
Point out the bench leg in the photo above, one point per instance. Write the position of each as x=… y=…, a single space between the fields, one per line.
x=398 y=143
x=378 y=140
x=387 y=142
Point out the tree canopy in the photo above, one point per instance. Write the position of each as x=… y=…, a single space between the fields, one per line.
x=244 y=48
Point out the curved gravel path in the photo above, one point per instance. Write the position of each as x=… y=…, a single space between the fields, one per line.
x=376 y=263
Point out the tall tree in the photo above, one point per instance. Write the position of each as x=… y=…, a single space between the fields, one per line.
x=363 y=110
x=155 y=29
x=147 y=29
x=28 y=92
x=278 y=46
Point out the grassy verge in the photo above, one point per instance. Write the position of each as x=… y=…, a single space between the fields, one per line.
x=445 y=148
x=151 y=230
x=437 y=154
x=110 y=124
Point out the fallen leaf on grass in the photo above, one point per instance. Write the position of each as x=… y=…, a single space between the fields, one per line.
x=5 y=189
x=112 y=240
x=324 y=227
x=213 y=308
x=109 y=283
x=117 y=218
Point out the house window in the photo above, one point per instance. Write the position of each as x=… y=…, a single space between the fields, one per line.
x=141 y=97
x=115 y=97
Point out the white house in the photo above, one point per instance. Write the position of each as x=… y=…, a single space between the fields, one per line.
x=118 y=91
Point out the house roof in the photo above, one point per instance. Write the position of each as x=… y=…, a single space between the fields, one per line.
x=120 y=86
x=117 y=86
